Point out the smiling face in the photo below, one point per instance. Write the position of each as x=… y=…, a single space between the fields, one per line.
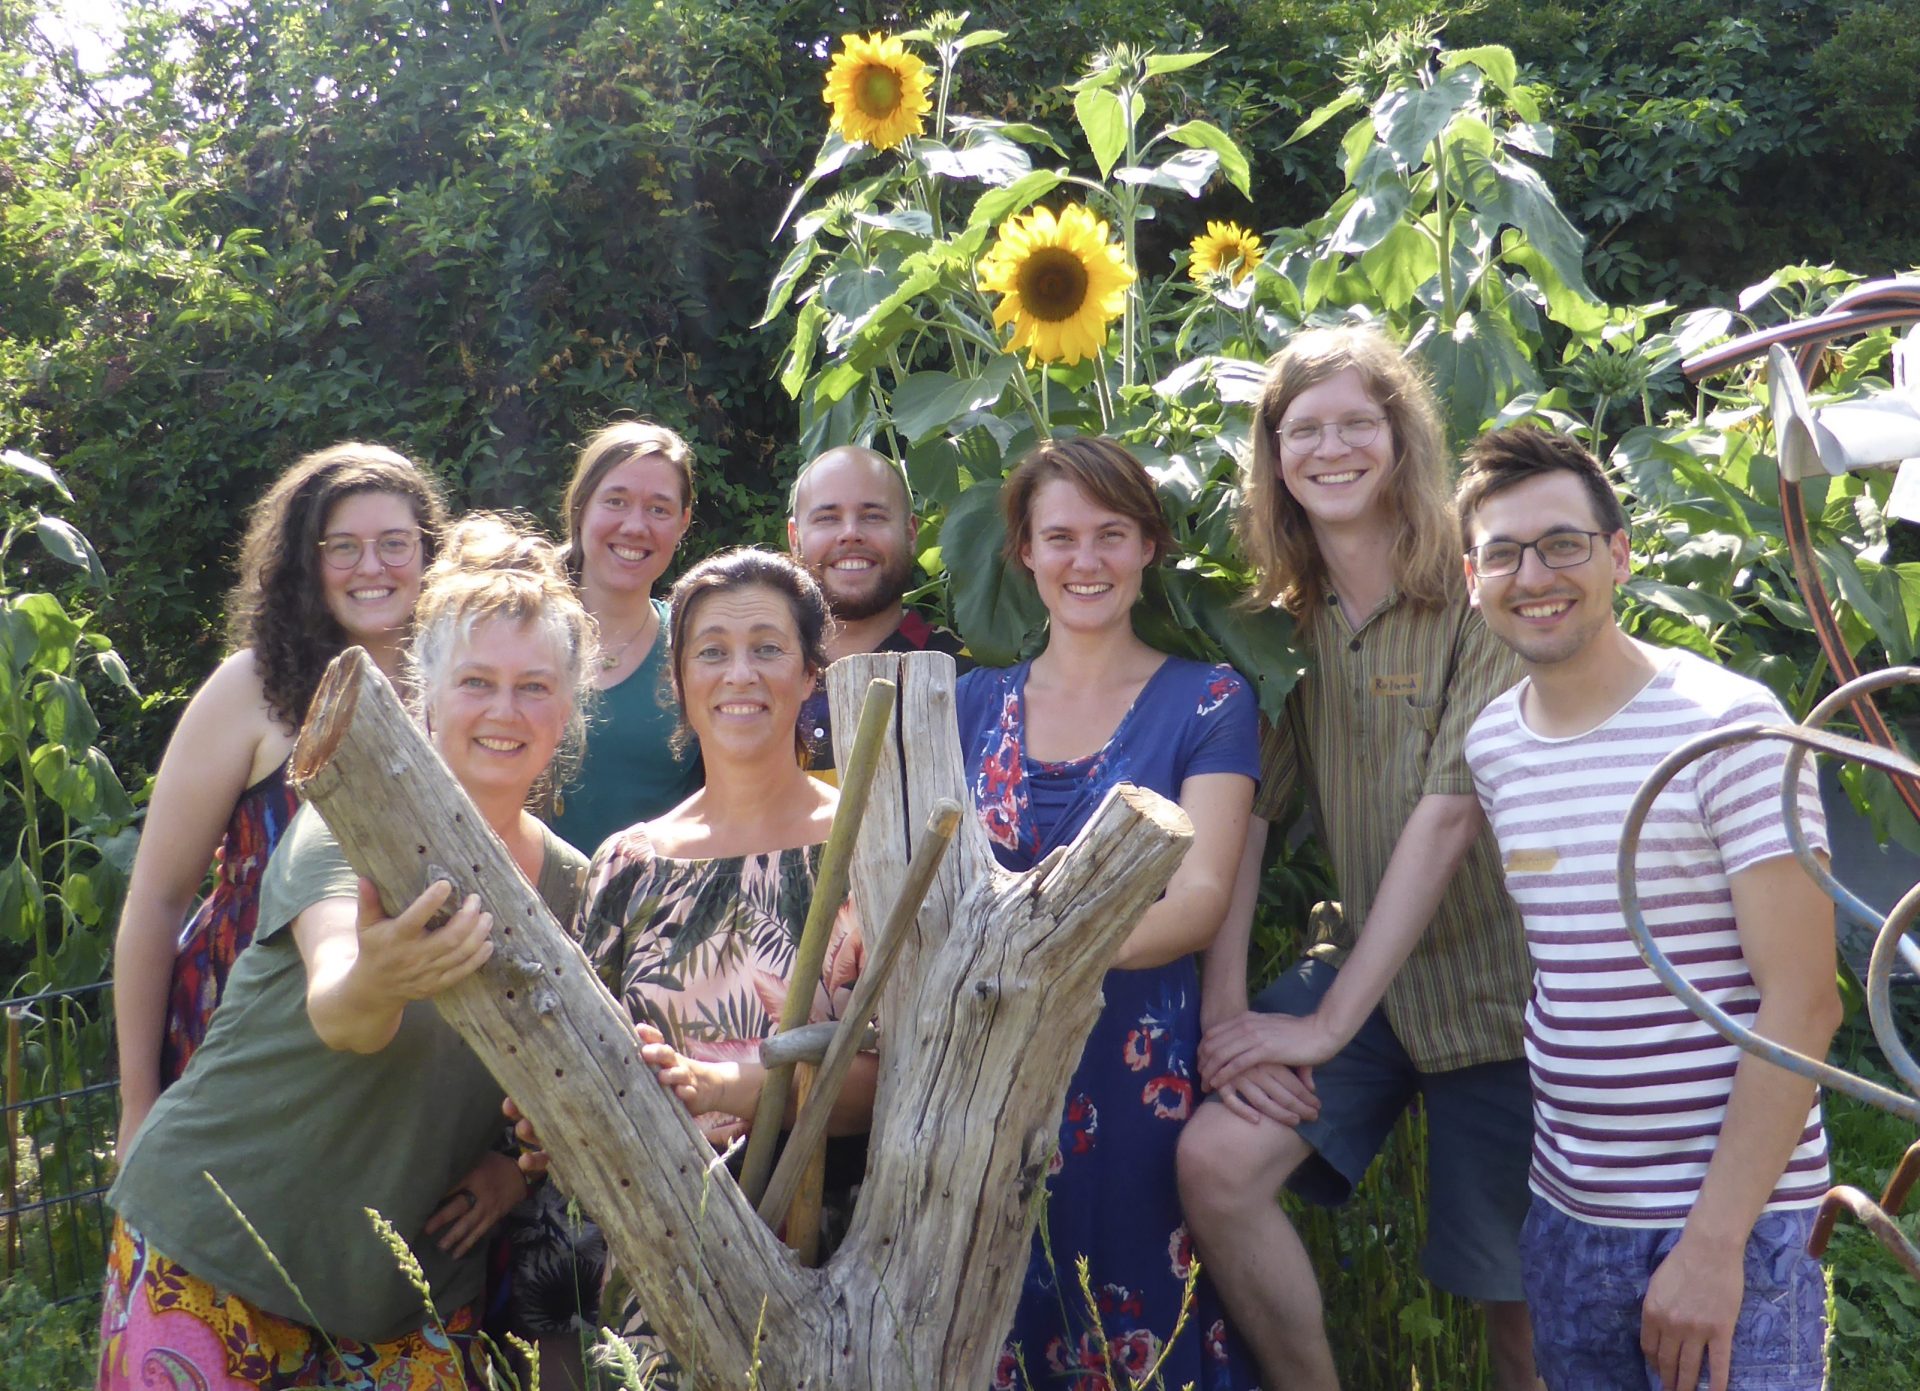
x=853 y=528
x=1547 y=616
x=502 y=707
x=631 y=524
x=372 y=600
x=1086 y=558
x=1336 y=484
x=743 y=672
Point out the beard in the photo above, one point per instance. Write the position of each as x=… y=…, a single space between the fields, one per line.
x=889 y=584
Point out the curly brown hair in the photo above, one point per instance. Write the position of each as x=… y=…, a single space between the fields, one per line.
x=279 y=606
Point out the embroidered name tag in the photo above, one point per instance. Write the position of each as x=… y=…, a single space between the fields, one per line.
x=1407 y=685
x=1536 y=859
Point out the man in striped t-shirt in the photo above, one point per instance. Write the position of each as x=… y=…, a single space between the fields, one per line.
x=1674 y=1177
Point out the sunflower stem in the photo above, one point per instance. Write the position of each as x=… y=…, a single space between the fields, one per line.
x=1130 y=209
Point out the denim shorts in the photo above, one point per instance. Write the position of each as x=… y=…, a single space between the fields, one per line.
x=1586 y=1283
x=1479 y=1140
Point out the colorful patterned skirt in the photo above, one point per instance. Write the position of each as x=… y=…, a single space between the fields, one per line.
x=162 y=1329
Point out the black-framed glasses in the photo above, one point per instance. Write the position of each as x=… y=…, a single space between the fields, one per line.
x=343 y=551
x=1558 y=550
x=1304 y=436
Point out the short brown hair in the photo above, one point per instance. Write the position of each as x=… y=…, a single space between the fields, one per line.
x=609 y=447
x=1501 y=459
x=1274 y=530
x=1100 y=467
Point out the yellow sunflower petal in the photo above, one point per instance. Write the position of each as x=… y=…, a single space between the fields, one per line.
x=878 y=91
x=1224 y=246
x=1063 y=281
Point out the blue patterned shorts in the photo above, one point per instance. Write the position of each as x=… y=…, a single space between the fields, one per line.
x=1586 y=1283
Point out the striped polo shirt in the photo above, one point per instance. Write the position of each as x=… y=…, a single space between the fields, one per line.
x=1630 y=1089
x=1379 y=722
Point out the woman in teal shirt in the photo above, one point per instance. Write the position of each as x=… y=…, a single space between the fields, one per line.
x=630 y=502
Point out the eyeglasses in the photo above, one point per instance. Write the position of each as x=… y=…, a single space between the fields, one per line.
x=1304 y=436
x=396 y=547
x=1558 y=550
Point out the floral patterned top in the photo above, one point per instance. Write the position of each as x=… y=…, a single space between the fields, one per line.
x=703 y=949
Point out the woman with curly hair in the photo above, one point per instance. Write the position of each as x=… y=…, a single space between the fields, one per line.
x=332 y=558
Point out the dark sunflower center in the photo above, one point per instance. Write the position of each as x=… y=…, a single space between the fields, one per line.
x=878 y=91
x=1053 y=284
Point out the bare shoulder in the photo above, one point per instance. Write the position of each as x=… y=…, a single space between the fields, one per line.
x=230 y=713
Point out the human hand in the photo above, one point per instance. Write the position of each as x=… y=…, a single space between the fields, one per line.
x=533 y=1158
x=702 y=1086
x=1692 y=1303
x=402 y=958
x=471 y=1207
x=1273 y=1092
x=1253 y=1038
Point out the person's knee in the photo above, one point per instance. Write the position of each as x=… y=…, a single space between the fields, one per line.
x=1227 y=1164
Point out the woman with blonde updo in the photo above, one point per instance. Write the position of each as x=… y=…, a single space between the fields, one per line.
x=328 y=1084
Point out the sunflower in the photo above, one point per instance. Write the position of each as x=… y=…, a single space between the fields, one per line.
x=1224 y=247
x=878 y=91
x=1062 y=280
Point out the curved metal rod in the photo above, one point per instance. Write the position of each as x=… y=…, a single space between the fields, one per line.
x=1817 y=718
x=1880 y=989
x=1873 y=305
x=1906 y=1107
x=1871 y=1216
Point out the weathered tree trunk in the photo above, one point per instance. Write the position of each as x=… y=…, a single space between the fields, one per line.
x=982 y=1023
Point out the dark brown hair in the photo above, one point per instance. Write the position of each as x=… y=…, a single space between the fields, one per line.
x=609 y=447
x=743 y=568
x=1274 y=530
x=279 y=607
x=1501 y=459
x=1099 y=467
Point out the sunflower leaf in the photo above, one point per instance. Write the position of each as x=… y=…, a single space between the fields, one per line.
x=979 y=37
x=1017 y=196
x=925 y=402
x=994 y=603
x=1233 y=160
x=1104 y=119
x=1188 y=171
x=835 y=154
x=988 y=157
x=1158 y=63
x=787 y=278
x=1346 y=101
x=64 y=540
x=33 y=468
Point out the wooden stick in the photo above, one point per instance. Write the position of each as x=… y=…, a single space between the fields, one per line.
x=810 y=1125
x=829 y=892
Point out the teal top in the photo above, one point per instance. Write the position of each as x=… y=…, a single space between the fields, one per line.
x=304 y=1138
x=630 y=773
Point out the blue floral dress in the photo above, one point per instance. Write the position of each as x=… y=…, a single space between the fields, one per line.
x=1111 y=1195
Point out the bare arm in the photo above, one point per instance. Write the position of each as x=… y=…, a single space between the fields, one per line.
x=364 y=968
x=1786 y=933
x=1223 y=966
x=1435 y=839
x=734 y=1086
x=224 y=734
x=1188 y=916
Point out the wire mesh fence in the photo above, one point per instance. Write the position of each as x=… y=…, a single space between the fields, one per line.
x=58 y=1114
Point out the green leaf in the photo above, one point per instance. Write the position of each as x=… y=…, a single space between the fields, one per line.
x=64 y=541
x=1001 y=203
x=1346 y=101
x=65 y=716
x=19 y=642
x=1158 y=63
x=22 y=901
x=838 y=380
x=1232 y=380
x=978 y=39
x=925 y=402
x=835 y=154
x=1206 y=135
x=1681 y=601
x=787 y=278
x=994 y=603
x=988 y=158
x=1408 y=119
x=1188 y=172
x=1495 y=60
x=1566 y=304
x=1023 y=131
x=1399 y=264
x=56 y=635
x=806 y=339
x=1373 y=214
x=1105 y=122
x=1259 y=645
x=1845 y=571
x=1476 y=369
x=33 y=468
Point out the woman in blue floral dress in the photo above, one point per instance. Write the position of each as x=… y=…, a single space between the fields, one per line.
x=1044 y=741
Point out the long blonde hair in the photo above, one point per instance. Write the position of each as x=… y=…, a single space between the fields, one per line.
x=1274 y=530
